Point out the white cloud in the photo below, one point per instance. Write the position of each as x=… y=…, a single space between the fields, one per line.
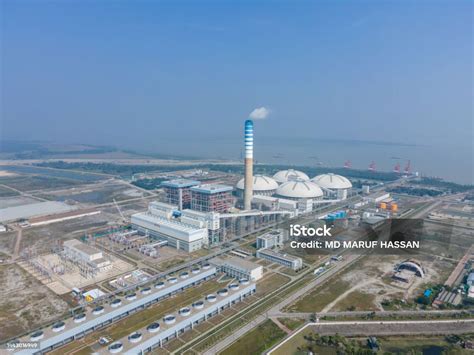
x=259 y=113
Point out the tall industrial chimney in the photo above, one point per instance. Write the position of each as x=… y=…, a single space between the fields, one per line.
x=248 y=179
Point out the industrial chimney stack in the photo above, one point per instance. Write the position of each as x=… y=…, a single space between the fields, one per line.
x=248 y=179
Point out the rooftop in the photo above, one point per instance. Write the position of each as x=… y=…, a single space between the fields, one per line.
x=211 y=188
x=180 y=183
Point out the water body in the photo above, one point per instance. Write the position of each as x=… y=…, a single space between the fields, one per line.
x=453 y=163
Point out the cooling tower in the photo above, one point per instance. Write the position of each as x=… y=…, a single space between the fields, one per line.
x=248 y=183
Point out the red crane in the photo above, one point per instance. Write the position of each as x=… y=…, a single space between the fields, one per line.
x=396 y=168
x=372 y=166
x=347 y=164
x=408 y=167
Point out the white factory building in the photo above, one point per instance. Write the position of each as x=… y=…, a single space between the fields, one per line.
x=290 y=174
x=333 y=185
x=271 y=239
x=262 y=185
x=239 y=268
x=289 y=261
x=77 y=250
x=159 y=222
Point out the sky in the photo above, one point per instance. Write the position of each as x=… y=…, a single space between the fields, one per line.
x=136 y=73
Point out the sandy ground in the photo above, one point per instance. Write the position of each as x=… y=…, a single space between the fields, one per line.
x=24 y=302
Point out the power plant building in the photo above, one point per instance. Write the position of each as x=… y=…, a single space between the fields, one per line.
x=270 y=240
x=211 y=198
x=177 y=192
x=290 y=261
x=77 y=250
x=239 y=268
x=158 y=222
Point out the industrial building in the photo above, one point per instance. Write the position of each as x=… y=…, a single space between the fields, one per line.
x=239 y=268
x=186 y=318
x=158 y=222
x=211 y=198
x=78 y=251
x=333 y=185
x=93 y=319
x=177 y=192
x=270 y=240
x=288 y=175
x=262 y=185
x=290 y=261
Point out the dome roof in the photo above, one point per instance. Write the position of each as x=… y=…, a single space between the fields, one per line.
x=332 y=181
x=299 y=189
x=260 y=183
x=290 y=174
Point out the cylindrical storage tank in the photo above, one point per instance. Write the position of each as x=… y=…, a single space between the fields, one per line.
x=262 y=185
x=80 y=318
x=98 y=310
x=299 y=189
x=383 y=205
x=58 y=327
x=160 y=284
x=394 y=207
x=206 y=266
x=244 y=281
x=195 y=270
x=184 y=275
x=288 y=175
x=146 y=291
x=116 y=302
x=131 y=297
x=211 y=298
x=116 y=347
x=135 y=337
x=172 y=280
x=198 y=305
x=223 y=292
x=37 y=335
x=234 y=287
x=185 y=311
x=169 y=319
x=153 y=327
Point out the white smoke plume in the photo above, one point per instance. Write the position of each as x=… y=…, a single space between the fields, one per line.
x=260 y=113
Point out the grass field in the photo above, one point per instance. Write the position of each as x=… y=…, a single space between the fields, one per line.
x=317 y=299
x=258 y=340
x=356 y=301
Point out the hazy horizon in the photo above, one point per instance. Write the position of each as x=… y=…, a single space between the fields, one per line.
x=155 y=75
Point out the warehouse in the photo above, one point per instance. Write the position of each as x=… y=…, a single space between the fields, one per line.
x=286 y=260
x=333 y=185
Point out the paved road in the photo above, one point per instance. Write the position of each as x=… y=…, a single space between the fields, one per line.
x=365 y=313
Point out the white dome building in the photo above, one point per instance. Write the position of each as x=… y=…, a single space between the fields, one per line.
x=333 y=184
x=262 y=185
x=299 y=189
x=290 y=174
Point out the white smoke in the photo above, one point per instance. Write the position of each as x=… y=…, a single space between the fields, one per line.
x=260 y=113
